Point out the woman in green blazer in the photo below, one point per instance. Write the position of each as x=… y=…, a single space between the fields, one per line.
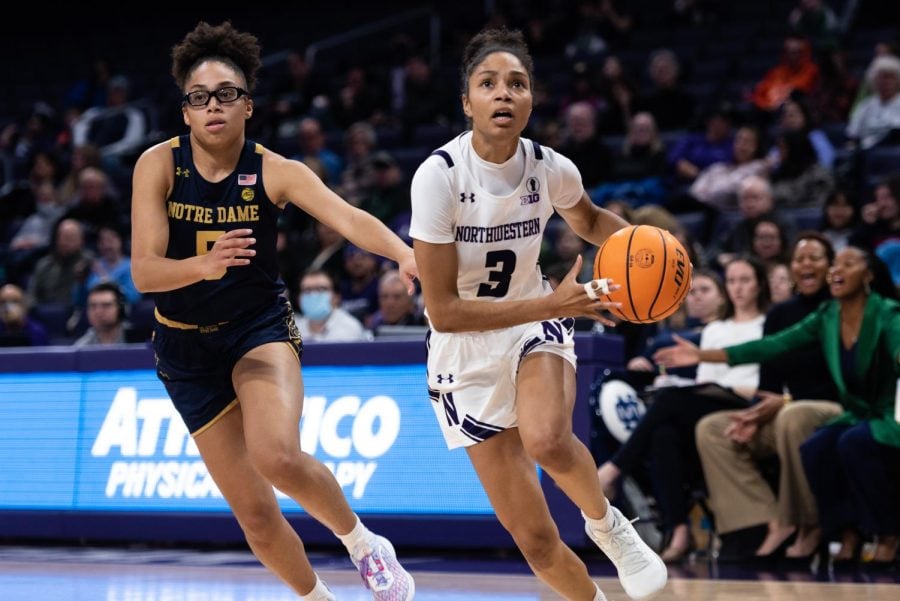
x=853 y=462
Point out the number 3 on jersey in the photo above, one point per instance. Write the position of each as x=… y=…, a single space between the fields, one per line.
x=205 y=241
x=505 y=263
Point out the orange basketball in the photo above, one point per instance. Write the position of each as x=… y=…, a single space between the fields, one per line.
x=652 y=268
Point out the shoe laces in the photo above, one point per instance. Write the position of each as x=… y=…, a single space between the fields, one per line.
x=622 y=544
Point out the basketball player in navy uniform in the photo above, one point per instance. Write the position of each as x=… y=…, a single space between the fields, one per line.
x=204 y=213
x=501 y=364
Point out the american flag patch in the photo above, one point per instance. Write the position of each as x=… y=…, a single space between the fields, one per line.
x=246 y=180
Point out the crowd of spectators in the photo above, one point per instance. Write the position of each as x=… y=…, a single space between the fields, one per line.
x=649 y=121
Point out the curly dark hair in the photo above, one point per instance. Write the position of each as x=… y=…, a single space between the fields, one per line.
x=222 y=43
x=489 y=41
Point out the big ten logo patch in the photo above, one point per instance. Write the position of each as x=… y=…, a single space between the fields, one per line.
x=533 y=187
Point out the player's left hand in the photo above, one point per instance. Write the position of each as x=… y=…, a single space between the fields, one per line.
x=572 y=299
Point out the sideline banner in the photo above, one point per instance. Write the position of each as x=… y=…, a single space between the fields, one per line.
x=112 y=440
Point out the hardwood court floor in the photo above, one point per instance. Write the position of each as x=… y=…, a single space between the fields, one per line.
x=28 y=574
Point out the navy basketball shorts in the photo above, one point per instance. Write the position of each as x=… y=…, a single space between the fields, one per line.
x=195 y=363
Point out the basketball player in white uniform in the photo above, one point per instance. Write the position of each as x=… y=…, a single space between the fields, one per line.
x=501 y=365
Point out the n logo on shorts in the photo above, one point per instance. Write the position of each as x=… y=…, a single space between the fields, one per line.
x=553 y=331
x=446 y=399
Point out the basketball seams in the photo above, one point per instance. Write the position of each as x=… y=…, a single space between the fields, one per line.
x=677 y=302
x=650 y=273
x=662 y=276
x=628 y=273
x=687 y=288
x=670 y=309
x=597 y=274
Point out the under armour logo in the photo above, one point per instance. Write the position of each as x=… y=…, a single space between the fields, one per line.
x=441 y=378
x=463 y=196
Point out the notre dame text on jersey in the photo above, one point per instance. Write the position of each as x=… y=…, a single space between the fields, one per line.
x=199 y=212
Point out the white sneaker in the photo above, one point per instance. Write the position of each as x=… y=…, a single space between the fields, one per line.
x=383 y=575
x=599 y=596
x=641 y=571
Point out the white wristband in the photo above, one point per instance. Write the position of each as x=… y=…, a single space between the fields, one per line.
x=597 y=288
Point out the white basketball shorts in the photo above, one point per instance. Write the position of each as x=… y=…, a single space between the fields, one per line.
x=472 y=376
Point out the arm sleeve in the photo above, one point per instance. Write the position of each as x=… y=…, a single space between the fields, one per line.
x=433 y=208
x=769 y=347
x=563 y=179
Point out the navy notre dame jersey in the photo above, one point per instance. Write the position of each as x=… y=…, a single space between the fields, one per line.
x=201 y=211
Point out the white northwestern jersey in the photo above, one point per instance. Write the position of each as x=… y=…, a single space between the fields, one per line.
x=460 y=198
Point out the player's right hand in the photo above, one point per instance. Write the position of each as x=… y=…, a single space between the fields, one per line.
x=572 y=300
x=231 y=249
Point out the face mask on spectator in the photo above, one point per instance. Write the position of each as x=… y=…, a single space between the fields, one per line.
x=316 y=305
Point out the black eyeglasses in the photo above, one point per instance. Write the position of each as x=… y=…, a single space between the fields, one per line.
x=225 y=95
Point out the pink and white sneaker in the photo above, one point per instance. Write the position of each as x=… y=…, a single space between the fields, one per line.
x=383 y=575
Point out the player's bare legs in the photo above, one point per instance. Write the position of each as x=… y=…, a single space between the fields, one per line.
x=510 y=479
x=250 y=496
x=255 y=446
x=545 y=403
x=268 y=383
x=270 y=387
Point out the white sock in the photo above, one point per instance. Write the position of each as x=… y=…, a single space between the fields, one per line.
x=358 y=541
x=319 y=593
x=599 y=596
x=604 y=524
